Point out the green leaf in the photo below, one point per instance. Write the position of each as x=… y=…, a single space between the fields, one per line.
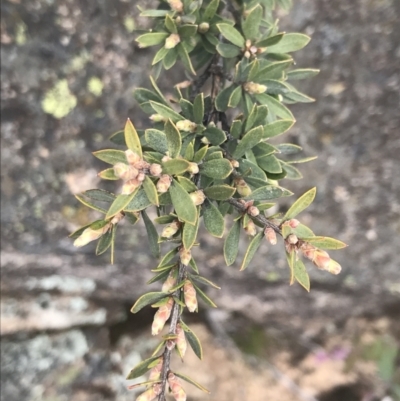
x=215 y=135
x=204 y=297
x=147 y=299
x=270 y=164
x=174 y=139
x=170 y=24
x=273 y=70
x=302 y=231
x=251 y=139
x=271 y=40
x=119 y=204
x=231 y=34
x=203 y=280
x=191 y=381
x=99 y=195
x=166 y=259
x=151 y=39
x=90 y=204
x=304 y=160
x=291 y=259
x=222 y=99
x=277 y=128
x=188 y=185
x=175 y=166
x=275 y=106
x=189 y=234
x=219 y=192
x=213 y=220
x=235 y=97
x=139 y=202
x=325 y=242
x=210 y=10
x=289 y=43
x=198 y=108
x=152 y=235
x=302 y=203
x=218 y=168
x=301 y=275
x=132 y=139
x=185 y=58
x=187 y=31
x=193 y=340
x=251 y=250
x=166 y=111
x=292 y=173
x=118 y=138
x=288 y=148
x=228 y=51
x=142 y=368
x=252 y=22
x=159 y=56
x=231 y=245
x=111 y=156
x=200 y=154
x=108 y=174
x=183 y=204
x=104 y=242
x=162 y=276
x=151 y=190
x=266 y=193
x=302 y=73
x=157 y=140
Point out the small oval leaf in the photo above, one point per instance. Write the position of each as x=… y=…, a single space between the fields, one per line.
x=147 y=299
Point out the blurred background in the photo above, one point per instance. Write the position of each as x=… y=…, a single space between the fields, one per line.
x=68 y=70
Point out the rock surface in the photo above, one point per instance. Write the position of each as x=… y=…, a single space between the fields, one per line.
x=65 y=324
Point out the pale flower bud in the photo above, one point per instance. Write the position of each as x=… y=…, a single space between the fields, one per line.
x=292 y=239
x=248 y=43
x=253 y=49
x=157 y=118
x=172 y=41
x=117 y=218
x=130 y=186
x=186 y=125
x=169 y=282
x=293 y=223
x=176 y=5
x=193 y=168
x=254 y=88
x=166 y=159
x=176 y=388
x=205 y=140
x=132 y=157
x=90 y=235
x=320 y=258
x=171 y=229
x=125 y=172
x=333 y=267
x=162 y=315
x=198 y=197
x=234 y=163
x=250 y=229
x=253 y=211
x=163 y=183
x=247 y=54
x=204 y=27
x=183 y=84
x=155 y=170
x=181 y=340
x=189 y=293
x=156 y=371
x=242 y=188
x=149 y=395
x=141 y=176
x=270 y=235
x=185 y=256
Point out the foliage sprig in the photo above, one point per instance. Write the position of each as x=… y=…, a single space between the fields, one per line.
x=207 y=156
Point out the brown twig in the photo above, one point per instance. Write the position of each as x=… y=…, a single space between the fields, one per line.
x=175 y=315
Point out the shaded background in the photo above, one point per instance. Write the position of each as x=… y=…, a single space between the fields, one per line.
x=68 y=72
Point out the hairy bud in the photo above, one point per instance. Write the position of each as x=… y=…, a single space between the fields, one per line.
x=125 y=172
x=234 y=163
x=141 y=176
x=176 y=5
x=183 y=84
x=250 y=228
x=333 y=267
x=204 y=27
x=155 y=372
x=172 y=41
x=181 y=340
x=292 y=239
x=185 y=256
x=117 y=218
x=163 y=183
x=189 y=293
x=176 y=388
x=171 y=229
x=270 y=234
x=193 y=168
x=253 y=88
x=169 y=282
x=90 y=235
x=157 y=118
x=198 y=197
x=242 y=188
x=253 y=211
x=186 y=125
x=149 y=395
x=132 y=157
x=162 y=315
x=293 y=223
x=130 y=186
x=155 y=170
